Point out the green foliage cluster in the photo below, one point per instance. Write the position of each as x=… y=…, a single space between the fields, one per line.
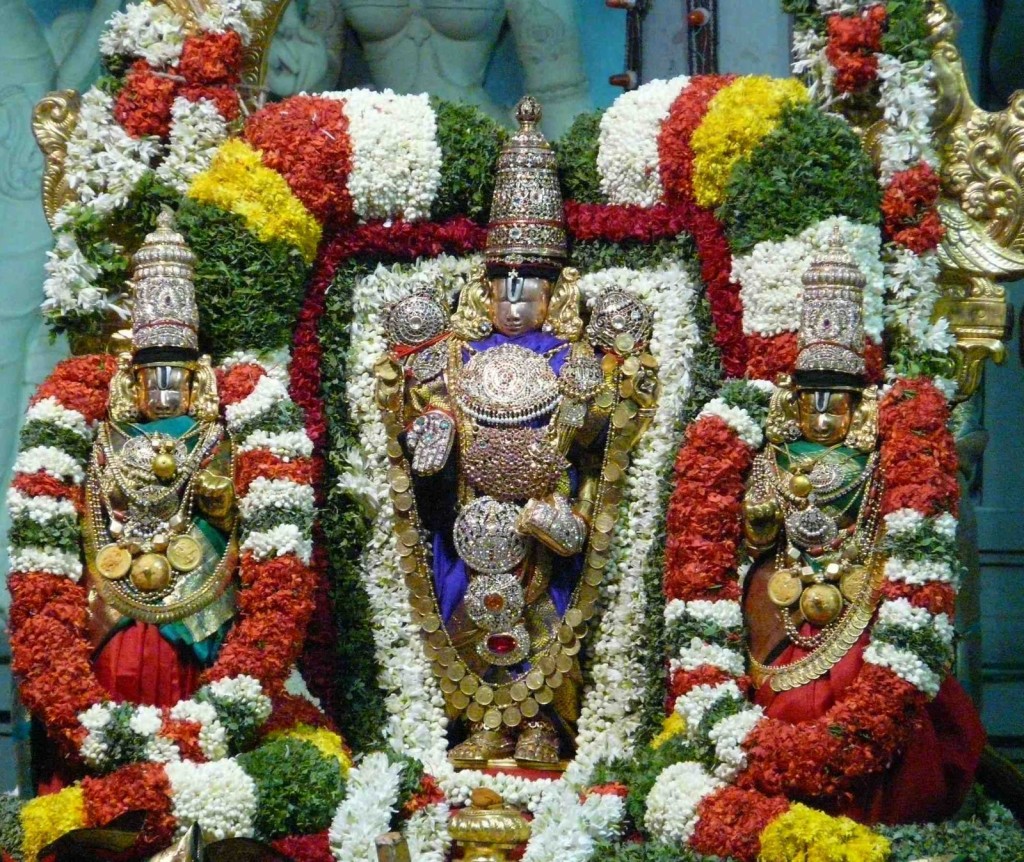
x=249 y=291
x=470 y=145
x=810 y=167
x=908 y=361
x=742 y=394
x=592 y=255
x=239 y=721
x=576 y=152
x=297 y=787
x=361 y=711
x=649 y=851
x=59 y=533
x=983 y=831
x=11 y=833
x=906 y=33
x=40 y=433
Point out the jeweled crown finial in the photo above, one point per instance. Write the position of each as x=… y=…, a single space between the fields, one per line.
x=165 y=318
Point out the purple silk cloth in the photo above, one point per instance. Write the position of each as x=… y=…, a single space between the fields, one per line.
x=450 y=576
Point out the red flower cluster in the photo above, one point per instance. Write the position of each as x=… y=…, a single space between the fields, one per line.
x=732 y=820
x=636 y=224
x=305 y=848
x=140 y=787
x=428 y=793
x=852 y=44
x=772 y=355
x=209 y=68
x=675 y=156
x=911 y=218
x=80 y=383
x=704 y=512
x=305 y=139
x=918 y=453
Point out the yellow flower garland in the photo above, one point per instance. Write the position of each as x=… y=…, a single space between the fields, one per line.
x=45 y=818
x=803 y=834
x=238 y=181
x=738 y=118
x=328 y=743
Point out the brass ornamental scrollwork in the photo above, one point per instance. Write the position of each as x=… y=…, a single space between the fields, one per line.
x=53 y=120
x=982 y=209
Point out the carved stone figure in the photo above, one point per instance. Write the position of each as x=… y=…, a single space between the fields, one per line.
x=502 y=417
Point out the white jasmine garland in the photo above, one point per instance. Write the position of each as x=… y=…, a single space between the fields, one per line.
x=907 y=98
x=365 y=812
x=770 y=274
x=274 y=364
x=243 y=690
x=284 y=444
x=725 y=613
x=51 y=460
x=672 y=803
x=268 y=393
x=42 y=509
x=70 y=285
x=396 y=160
x=609 y=713
x=426 y=832
x=145 y=720
x=219 y=796
x=627 y=156
x=900 y=612
x=738 y=419
x=45 y=559
x=279 y=541
x=918 y=572
x=154 y=32
x=238 y=15
x=267 y=493
x=566 y=829
x=911 y=285
x=212 y=736
x=903 y=521
x=701 y=652
x=104 y=163
x=728 y=736
x=197 y=130
x=945 y=526
x=698 y=700
x=905 y=664
x=50 y=410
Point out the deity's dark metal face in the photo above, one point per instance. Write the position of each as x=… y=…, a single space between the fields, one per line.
x=825 y=415
x=163 y=391
x=519 y=305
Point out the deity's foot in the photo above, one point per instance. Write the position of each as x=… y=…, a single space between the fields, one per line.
x=482 y=746
x=538 y=745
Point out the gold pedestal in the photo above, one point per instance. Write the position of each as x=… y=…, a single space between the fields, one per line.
x=488 y=829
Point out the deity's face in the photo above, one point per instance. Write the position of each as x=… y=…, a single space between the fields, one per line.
x=825 y=415
x=163 y=391
x=519 y=305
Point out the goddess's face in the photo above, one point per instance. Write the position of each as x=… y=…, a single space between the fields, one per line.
x=163 y=391
x=519 y=305
x=825 y=415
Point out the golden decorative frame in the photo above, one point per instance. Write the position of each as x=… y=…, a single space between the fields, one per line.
x=982 y=172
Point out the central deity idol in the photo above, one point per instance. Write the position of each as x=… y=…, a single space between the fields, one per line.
x=511 y=424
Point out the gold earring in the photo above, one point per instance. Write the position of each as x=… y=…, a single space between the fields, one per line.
x=783 y=422
x=472 y=319
x=564 y=309
x=863 y=433
x=122 y=404
x=205 y=404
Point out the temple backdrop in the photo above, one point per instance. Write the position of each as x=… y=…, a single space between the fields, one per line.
x=49 y=44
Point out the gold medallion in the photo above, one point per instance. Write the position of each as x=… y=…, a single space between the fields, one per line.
x=492 y=719
x=853 y=583
x=784 y=588
x=474 y=712
x=821 y=603
x=184 y=553
x=511 y=716
x=529 y=707
x=151 y=572
x=113 y=562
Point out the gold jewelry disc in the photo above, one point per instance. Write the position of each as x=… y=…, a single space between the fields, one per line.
x=184 y=553
x=821 y=603
x=853 y=582
x=784 y=588
x=151 y=572
x=113 y=562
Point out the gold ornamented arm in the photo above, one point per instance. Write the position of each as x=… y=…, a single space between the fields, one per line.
x=215 y=497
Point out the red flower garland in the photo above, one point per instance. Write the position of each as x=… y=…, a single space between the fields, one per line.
x=675 y=156
x=305 y=139
x=772 y=355
x=853 y=43
x=909 y=209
